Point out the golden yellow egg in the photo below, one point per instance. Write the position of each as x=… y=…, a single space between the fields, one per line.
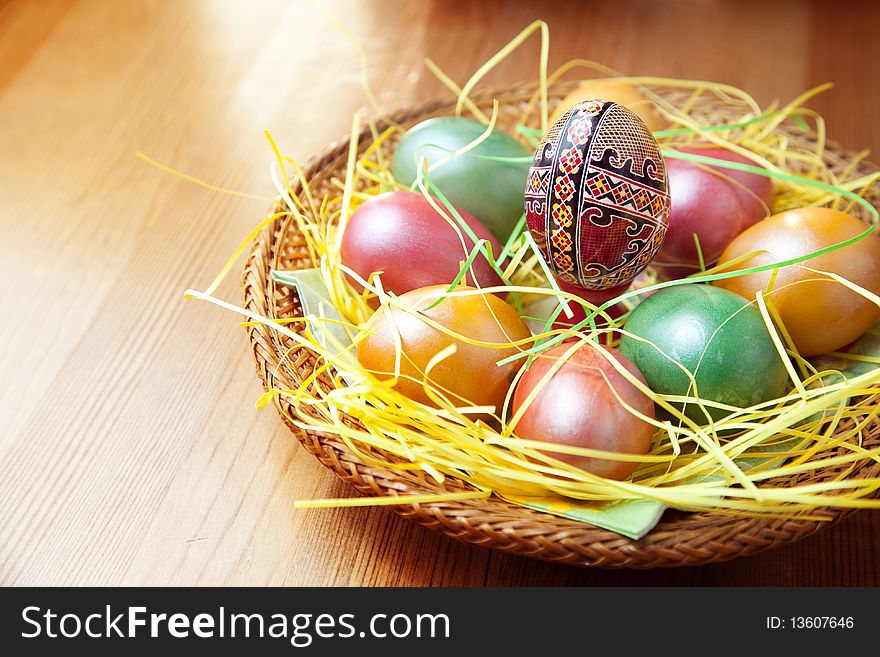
x=471 y=375
x=820 y=313
x=620 y=92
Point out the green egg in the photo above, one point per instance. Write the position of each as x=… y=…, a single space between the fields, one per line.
x=716 y=335
x=489 y=189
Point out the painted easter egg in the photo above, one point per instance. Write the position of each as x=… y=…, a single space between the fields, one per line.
x=596 y=198
x=486 y=181
x=471 y=375
x=819 y=313
x=581 y=404
x=712 y=202
x=715 y=335
x=402 y=236
x=620 y=91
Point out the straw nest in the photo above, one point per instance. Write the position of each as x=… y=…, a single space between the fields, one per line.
x=449 y=472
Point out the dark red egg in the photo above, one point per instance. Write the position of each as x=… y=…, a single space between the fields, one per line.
x=595 y=297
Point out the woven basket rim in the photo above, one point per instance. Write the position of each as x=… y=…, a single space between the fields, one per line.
x=679 y=539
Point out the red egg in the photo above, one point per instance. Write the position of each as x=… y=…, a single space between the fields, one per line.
x=402 y=236
x=713 y=202
x=595 y=297
x=578 y=406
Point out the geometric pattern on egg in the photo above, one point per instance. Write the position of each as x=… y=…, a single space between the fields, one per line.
x=596 y=197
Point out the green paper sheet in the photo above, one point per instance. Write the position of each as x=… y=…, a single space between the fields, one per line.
x=631 y=518
x=315 y=302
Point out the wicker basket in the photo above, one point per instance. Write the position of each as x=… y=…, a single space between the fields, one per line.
x=680 y=539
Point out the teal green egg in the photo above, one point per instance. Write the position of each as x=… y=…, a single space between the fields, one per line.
x=489 y=189
x=716 y=335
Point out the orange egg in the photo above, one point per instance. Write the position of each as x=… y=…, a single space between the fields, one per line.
x=820 y=314
x=470 y=376
x=620 y=92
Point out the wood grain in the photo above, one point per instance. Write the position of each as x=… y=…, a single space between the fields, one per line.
x=131 y=449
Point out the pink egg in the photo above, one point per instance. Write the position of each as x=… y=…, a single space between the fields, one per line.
x=713 y=202
x=402 y=236
x=580 y=405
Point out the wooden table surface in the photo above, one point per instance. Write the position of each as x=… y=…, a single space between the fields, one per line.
x=130 y=448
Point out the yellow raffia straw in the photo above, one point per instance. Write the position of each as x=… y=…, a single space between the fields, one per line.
x=245 y=244
x=780 y=348
x=349 y=175
x=472 y=144
x=197 y=181
x=502 y=54
x=392 y=500
x=456 y=90
x=361 y=53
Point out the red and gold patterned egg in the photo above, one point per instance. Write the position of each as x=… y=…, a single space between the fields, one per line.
x=596 y=197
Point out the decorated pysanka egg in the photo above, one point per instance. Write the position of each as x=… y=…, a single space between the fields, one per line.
x=596 y=198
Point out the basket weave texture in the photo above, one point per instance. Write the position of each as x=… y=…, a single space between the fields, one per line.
x=680 y=539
